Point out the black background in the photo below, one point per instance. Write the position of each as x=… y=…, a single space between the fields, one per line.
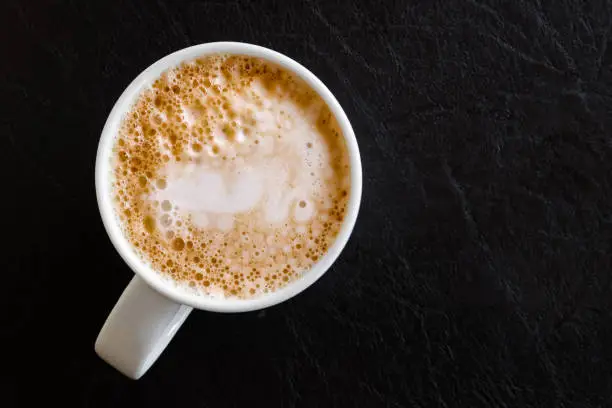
x=479 y=271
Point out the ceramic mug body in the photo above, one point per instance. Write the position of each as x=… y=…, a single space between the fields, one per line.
x=165 y=290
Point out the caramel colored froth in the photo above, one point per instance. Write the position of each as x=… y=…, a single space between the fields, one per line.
x=231 y=176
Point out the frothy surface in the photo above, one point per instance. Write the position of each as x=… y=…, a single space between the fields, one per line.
x=231 y=176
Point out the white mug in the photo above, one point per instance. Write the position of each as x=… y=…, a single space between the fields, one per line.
x=151 y=309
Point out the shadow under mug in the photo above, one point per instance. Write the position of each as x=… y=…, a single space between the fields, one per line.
x=152 y=308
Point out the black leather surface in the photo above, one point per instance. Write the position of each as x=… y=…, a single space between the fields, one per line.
x=479 y=272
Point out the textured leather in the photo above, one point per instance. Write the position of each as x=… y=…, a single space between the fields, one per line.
x=479 y=272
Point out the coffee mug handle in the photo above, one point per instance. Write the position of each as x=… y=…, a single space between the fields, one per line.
x=139 y=328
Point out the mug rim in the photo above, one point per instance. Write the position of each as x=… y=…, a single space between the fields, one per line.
x=104 y=175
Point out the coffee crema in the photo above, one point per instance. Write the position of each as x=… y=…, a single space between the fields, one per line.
x=231 y=176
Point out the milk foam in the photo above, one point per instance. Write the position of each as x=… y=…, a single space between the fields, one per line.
x=280 y=175
x=231 y=176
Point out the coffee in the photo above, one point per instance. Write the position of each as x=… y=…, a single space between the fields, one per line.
x=231 y=176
